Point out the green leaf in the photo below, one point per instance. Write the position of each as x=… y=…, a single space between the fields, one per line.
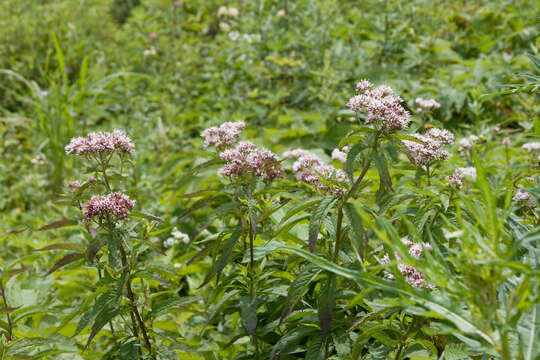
x=325 y=302
x=290 y=339
x=69 y=258
x=382 y=167
x=316 y=219
x=352 y=154
x=168 y=304
x=224 y=258
x=248 y=311
x=356 y=226
x=58 y=224
x=316 y=349
x=432 y=304
x=101 y=320
x=299 y=287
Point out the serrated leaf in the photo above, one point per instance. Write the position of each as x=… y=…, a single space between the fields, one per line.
x=101 y=320
x=352 y=154
x=169 y=304
x=299 y=287
x=316 y=349
x=316 y=219
x=382 y=167
x=248 y=311
x=325 y=303
x=224 y=258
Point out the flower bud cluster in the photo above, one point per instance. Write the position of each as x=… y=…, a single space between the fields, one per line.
x=380 y=105
x=340 y=155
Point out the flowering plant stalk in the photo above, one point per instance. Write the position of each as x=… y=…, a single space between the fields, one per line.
x=104 y=217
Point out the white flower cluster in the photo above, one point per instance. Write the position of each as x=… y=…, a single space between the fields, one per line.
x=176 y=236
x=467 y=143
x=340 y=155
x=427 y=104
x=525 y=198
x=225 y=11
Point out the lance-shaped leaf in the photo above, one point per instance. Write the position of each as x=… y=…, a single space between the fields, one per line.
x=248 y=311
x=352 y=154
x=218 y=267
x=299 y=287
x=325 y=304
x=316 y=220
x=356 y=225
x=382 y=167
x=58 y=224
x=64 y=261
x=316 y=349
x=103 y=318
x=62 y=246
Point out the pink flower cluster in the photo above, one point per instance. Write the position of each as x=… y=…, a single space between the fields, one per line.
x=100 y=142
x=380 y=105
x=225 y=135
x=412 y=275
x=525 y=198
x=247 y=160
x=430 y=149
x=456 y=179
x=113 y=207
x=310 y=169
x=426 y=104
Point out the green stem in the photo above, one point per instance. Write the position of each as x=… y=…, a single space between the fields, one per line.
x=338 y=232
x=10 y=324
x=134 y=310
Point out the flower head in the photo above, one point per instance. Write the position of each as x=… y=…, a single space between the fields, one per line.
x=412 y=275
x=180 y=236
x=429 y=147
x=113 y=207
x=380 y=105
x=427 y=103
x=100 y=142
x=456 y=179
x=310 y=169
x=467 y=143
x=225 y=135
x=339 y=155
x=247 y=160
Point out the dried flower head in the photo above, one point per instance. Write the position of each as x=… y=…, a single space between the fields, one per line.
x=381 y=107
x=100 y=142
x=310 y=169
x=247 y=160
x=429 y=149
x=225 y=135
x=427 y=103
x=110 y=208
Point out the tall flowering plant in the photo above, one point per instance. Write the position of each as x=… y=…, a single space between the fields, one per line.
x=105 y=213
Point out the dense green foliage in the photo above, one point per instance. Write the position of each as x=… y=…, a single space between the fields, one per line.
x=281 y=269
